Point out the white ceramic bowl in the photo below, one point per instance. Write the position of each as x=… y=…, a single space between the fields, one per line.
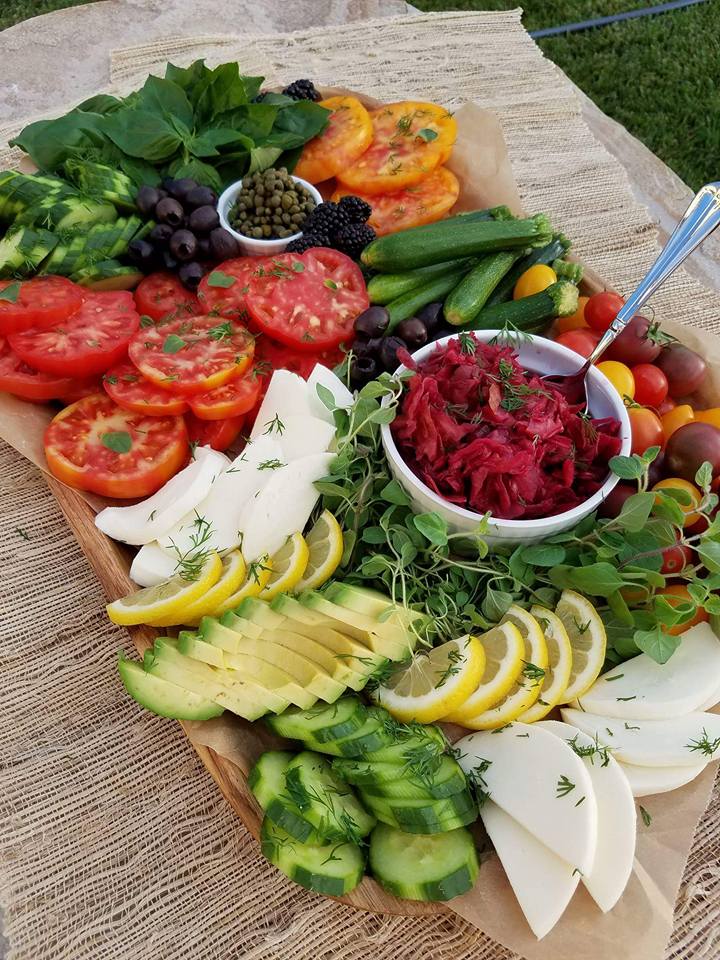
x=250 y=246
x=541 y=356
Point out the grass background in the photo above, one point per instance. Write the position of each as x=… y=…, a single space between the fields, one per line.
x=655 y=75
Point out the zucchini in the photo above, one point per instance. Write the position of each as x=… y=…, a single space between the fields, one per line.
x=108 y=275
x=558 y=300
x=565 y=270
x=429 y=868
x=325 y=800
x=332 y=869
x=558 y=247
x=323 y=722
x=99 y=180
x=386 y=287
x=23 y=249
x=450 y=240
x=468 y=298
x=436 y=289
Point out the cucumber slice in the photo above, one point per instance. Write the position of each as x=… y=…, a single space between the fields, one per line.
x=370 y=736
x=324 y=800
x=68 y=255
x=411 y=743
x=429 y=782
x=163 y=698
x=108 y=275
x=323 y=722
x=423 y=816
x=366 y=773
x=437 y=867
x=267 y=782
x=23 y=249
x=332 y=870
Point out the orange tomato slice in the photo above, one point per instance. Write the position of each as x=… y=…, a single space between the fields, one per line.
x=426 y=202
x=346 y=137
x=410 y=140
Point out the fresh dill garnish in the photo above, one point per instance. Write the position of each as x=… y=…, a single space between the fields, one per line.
x=468 y=343
x=190 y=562
x=581 y=800
x=629 y=726
x=270 y=465
x=533 y=672
x=564 y=786
x=704 y=744
x=274 y=426
x=22 y=533
x=626 y=699
x=646 y=817
x=591 y=751
x=505 y=726
x=618 y=676
x=454 y=658
x=221 y=331
x=477 y=782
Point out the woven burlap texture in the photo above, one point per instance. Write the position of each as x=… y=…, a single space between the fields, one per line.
x=114 y=841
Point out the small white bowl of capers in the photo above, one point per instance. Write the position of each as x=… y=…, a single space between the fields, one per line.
x=266 y=210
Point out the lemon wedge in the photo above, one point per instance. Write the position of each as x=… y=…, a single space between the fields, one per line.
x=433 y=683
x=232 y=575
x=587 y=639
x=257 y=575
x=504 y=650
x=288 y=566
x=163 y=601
x=325 y=542
x=557 y=675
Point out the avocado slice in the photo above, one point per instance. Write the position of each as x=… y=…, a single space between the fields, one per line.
x=193 y=646
x=164 y=698
x=387 y=639
x=260 y=613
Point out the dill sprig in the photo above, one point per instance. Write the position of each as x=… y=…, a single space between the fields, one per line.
x=564 y=786
x=190 y=562
x=704 y=744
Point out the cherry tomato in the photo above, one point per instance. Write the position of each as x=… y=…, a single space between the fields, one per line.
x=222 y=291
x=131 y=391
x=534 y=280
x=675 y=594
x=689 y=509
x=613 y=503
x=636 y=344
x=162 y=295
x=576 y=321
x=41 y=302
x=674 y=559
x=28 y=384
x=666 y=406
x=646 y=428
x=601 y=309
x=231 y=400
x=651 y=385
x=685 y=370
x=711 y=416
x=218 y=434
x=619 y=376
x=97 y=446
x=581 y=341
x=690 y=446
x=676 y=418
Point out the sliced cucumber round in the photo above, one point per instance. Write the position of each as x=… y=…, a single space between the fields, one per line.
x=324 y=800
x=423 y=816
x=408 y=742
x=372 y=735
x=268 y=784
x=332 y=869
x=323 y=722
x=366 y=773
x=437 y=867
x=433 y=781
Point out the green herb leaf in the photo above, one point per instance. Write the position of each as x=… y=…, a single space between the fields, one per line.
x=432 y=527
x=173 y=343
x=597 y=579
x=543 y=554
x=709 y=553
x=656 y=644
x=11 y=292
x=496 y=604
x=119 y=441
x=394 y=493
x=146 y=321
x=627 y=468
x=219 y=279
x=636 y=511
x=298 y=266
x=326 y=397
x=704 y=476
x=427 y=134
x=330 y=284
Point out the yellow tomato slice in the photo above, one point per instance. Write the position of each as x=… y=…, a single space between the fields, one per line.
x=346 y=136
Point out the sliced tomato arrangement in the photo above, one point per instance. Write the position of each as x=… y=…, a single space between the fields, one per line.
x=192 y=355
x=270 y=356
x=346 y=137
x=234 y=399
x=222 y=291
x=162 y=296
x=308 y=301
x=37 y=303
x=82 y=388
x=86 y=343
x=130 y=390
x=218 y=434
x=97 y=446
x=18 y=378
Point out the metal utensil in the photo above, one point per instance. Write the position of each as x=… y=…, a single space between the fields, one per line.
x=697 y=223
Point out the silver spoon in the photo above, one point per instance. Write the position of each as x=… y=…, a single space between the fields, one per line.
x=696 y=225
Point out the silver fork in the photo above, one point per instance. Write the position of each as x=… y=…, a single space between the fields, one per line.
x=697 y=223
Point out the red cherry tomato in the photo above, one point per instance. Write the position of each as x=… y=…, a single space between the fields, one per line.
x=674 y=559
x=163 y=295
x=666 y=406
x=218 y=434
x=41 y=302
x=646 y=427
x=613 y=502
x=651 y=385
x=581 y=341
x=601 y=309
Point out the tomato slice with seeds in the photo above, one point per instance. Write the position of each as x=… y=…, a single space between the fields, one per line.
x=130 y=390
x=194 y=354
x=270 y=356
x=308 y=301
x=40 y=302
x=218 y=434
x=347 y=136
x=162 y=295
x=97 y=446
x=86 y=343
x=222 y=291
x=231 y=400
x=81 y=388
x=18 y=378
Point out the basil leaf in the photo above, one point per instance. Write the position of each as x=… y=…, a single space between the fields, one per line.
x=166 y=99
x=118 y=441
x=173 y=343
x=261 y=158
x=219 y=279
x=543 y=554
x=432 y=527
x=11 y=292
x=656 y=644
x=142 y=133
x=50 y=142
x=196 y=170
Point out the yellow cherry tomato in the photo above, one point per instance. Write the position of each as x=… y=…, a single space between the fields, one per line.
x=620 y=376
x=689 y=509
x=676 y=418
x=711 y=416
x=576 y=321
x=534 y=280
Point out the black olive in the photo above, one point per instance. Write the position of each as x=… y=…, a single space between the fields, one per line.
x=443 y=332
x=203 y=219
x=162 y=193
x=431 y=315
x=169 y=261
x=191 y=274
x=180 y=188
x=372 y=322
x=141 y=252
x=161 y=233
x=183 y=245
x=223 y=245
x=146 y=199
x=165 y=183
x=388 y=353
x=374 y=345
x=203 y=248
x=414 y=332
x=169 y=211
x=362 y=369
x=364 y=348
x=201 y=197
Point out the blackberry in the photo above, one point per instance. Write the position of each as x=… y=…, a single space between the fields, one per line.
x=353 y=239
x=327 y=218
x=357 y=210
x=306 y=241
x=302 y=90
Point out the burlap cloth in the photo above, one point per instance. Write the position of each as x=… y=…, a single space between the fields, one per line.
x=114 y=841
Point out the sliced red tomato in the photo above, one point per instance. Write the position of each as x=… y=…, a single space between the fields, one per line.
x=192 y=355
x=218 y=434
x=37 y=303
x=308 y=301
x=162 y=295
x=95 y=445
x=130 y=390
x=81 y=388
x=18 y=378
x=222 y=291
x=231 y=400
x=86 y=343
x=271 y=356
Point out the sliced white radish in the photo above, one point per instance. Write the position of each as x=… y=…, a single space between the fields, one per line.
x=616 y=830
x=152 y=565
x=541 y=881
x=283 y=506
x=712 y=701
x=146 y=521
x=214 y=523
x=647 y=781
x=287 y=395
x=677 y=742
x=537 y=779
x=304 y=436
x=324 y=377
x=643 y=689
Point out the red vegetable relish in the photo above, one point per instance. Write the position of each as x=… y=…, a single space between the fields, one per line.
x=489 y=436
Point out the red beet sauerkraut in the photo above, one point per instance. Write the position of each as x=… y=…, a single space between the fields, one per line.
x=489 y=436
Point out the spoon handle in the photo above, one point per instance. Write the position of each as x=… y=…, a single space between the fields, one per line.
x=697 y=223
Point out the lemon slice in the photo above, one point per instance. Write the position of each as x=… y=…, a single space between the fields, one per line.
x=431 y=684
x=560 y=658
x=257 y=575
x=163 y=601
x=504 y=650
x=587 y=639
x=526 y=688
x=325 y=542
x=232 y=575
x=288 y=566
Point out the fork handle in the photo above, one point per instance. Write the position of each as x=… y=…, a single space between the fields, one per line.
x=697 y=223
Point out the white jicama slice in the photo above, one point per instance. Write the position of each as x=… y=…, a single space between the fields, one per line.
x=643 y=689
x=647 y=781
x=151 y=518
x=287 y=395
x=304 y=436
x=542 y=882
x=214 y=523
x=713 y=700
x=617 y=826
x=537 y=779
x=283 y=506
x=324 y=377
x=677 y=742
x=152 y=565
